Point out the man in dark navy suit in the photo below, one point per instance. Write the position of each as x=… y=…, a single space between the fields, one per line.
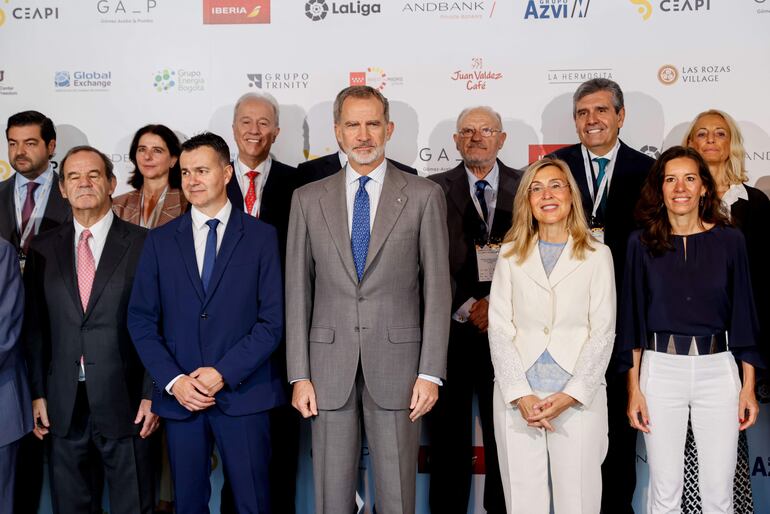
x=206 y=315
x=609 y=175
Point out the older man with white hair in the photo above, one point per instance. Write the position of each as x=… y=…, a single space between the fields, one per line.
x=479 y=196
x=262 y=187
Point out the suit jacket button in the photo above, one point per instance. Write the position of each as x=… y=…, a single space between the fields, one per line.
x=204 y=316
x=356 y=329
x=545 y=330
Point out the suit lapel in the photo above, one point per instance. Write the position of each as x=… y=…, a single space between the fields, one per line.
x=114 y=248
x=65 y=257
x=331 y=164
x=8 y=222
x=459 y=192
x=565 y=265
x=234 y=193
x=233 y=234
x=392 y=202
x=508 y=183
x=533 y=267
x=57 y=210
x=335 y=212
x=184 y=238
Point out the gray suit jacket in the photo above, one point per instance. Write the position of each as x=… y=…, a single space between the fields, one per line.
x=396 y=320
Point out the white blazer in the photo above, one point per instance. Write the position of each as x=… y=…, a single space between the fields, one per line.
x=570 y=313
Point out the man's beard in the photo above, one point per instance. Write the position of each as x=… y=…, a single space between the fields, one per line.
x=368 y=158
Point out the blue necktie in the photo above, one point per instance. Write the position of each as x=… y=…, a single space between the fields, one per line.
x=210 y=255
x=359 y=236
x=481 y=185
x=602 y=162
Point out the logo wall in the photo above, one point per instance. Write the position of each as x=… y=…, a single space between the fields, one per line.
x=229 y=12
x=556 y=9
x=645 y=7
x=317 y=10
x=184 y=81
x=478 y=77
x=374 y=77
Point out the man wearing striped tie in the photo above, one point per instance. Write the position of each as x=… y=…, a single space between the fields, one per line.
x=89 y=388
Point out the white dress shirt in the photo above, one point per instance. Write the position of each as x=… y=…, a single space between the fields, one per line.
x=591 y=168
x=200 y=234
x=99 y=231
x=259 y=182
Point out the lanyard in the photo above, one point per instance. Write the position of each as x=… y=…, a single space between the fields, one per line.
x=37 y=212
x=591 y=179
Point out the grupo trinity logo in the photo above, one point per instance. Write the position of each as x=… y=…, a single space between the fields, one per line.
x=316 y=10
x=645 y=8
x=164 y=80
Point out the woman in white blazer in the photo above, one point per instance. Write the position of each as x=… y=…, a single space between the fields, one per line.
x=551 y=330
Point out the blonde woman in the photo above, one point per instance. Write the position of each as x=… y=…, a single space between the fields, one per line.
x=551 y=329
x=717 y=138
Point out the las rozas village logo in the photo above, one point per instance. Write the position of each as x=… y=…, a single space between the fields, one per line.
x=668 y=74
x=477 y=78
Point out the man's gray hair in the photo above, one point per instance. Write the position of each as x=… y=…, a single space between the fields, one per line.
x=592 y=86
x=484 y=108
x=259 y=97
x=359 y=92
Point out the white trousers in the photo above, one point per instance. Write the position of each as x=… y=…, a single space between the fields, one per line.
x=573 y=453
x=706 y=388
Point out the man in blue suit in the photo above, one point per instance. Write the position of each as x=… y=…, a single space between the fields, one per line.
x=15 y=400
x=206 y=315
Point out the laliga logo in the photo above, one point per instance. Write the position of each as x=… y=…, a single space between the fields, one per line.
x=645 y=8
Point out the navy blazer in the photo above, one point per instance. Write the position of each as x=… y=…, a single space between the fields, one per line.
x=234 y=327
x=322 y=167
x=15 y=400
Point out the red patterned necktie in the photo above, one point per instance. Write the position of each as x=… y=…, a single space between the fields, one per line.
x=251 y=194
x=86 y=268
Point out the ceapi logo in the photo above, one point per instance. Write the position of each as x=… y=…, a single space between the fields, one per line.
x=235 y=12
x=645 y=8
x=5 y=170
x=2 y=15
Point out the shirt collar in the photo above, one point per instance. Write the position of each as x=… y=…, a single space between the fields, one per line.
x=199 y=219
x=735 y=193
x=41 y=179
x=98 y=230
x=492 y=178
x=261 y=167
x=609 y=155
x=343 y=157
x=377 y=174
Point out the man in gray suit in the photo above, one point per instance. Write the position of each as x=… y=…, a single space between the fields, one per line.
x=368 y=303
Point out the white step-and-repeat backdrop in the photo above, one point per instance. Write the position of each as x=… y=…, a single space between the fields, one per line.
x=102 y=68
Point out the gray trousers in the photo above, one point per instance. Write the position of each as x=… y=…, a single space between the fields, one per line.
x=393 y=445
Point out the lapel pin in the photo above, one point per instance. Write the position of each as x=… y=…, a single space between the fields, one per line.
x=398 y=199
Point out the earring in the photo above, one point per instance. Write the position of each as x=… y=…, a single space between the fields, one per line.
x=702 y=200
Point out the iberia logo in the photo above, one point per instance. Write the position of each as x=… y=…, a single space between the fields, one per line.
x=228 y=12
x=374 y=77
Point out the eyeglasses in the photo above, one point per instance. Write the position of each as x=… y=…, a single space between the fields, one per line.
x=484 y=131
x=554 y=187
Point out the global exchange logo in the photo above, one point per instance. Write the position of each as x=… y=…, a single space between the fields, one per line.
x=555 y=9
x=164 y=80
x=61 y=79
x=316 y=10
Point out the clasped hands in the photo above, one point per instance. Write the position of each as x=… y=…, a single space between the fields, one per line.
x=195 y=392
x=538 y=413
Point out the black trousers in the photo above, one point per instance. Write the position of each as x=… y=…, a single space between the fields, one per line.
x=619 y=467
x=450 y=425
x=284 y=438
x=126 y=464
